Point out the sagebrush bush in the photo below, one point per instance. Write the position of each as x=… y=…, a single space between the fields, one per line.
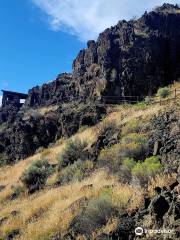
x=134 y=137
x=134 y=146
x=17 y=190
x=124 y=171
x=134 y=150
x=163 y=92
x=133 y=126
x=141 y=105
x=129 y=163
x=110 y=157
x=35 y=176
x=72 y=152
x=94 y=216
x=144 y=170
x=106 y=126
x=75 y=172
x=138 y=125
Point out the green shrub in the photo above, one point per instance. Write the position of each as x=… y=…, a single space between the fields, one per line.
x=138 y=125
x=124 y=172
x=34 y=177
x=141 y=105
x=17 y=191
x=75 y=172
x=163 y=92
x=134 y=137
x=94 y=216
x=83 y=128
x=110 y=157
x=144 y=170
x=129 y=163
x=72 y=152
x=134 y=145
x=133 y=126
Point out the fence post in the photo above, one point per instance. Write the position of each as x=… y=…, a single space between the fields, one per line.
x=175 y=93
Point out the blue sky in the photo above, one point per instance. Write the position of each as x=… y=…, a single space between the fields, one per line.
x=40 y=38
x=30 y=52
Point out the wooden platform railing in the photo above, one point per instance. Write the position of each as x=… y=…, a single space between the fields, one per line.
x=135 y=99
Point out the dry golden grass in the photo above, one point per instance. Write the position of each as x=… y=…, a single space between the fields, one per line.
x=162 y=180
x=40 y=111
x=127 y=197
x=9 y=176
x=44 y=213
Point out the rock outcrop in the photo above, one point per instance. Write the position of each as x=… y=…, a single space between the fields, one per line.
x=25 y=136
x=164 y=139
x=131 y=58
x=55 y=92
x=162 y=213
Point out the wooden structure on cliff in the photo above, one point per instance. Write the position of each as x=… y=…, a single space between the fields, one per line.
x=13 y=98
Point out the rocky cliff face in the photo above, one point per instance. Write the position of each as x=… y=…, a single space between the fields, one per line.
x=132 y=58
x=22 y=138
x=56 y=92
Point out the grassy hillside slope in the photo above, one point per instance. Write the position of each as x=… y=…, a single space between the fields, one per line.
x=49 y=213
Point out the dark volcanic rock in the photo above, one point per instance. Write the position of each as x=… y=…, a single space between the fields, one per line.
x=165 y=137
x=25 y=136
x=131 y=58
x=55 y=92
x=9 y=113
x=13 y=234
x=134 y=57
x=162 y=213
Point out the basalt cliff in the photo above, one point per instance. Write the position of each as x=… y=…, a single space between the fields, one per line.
x=95 y=154
x=133 y=58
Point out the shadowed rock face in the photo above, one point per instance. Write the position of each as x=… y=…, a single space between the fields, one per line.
x=132 y=58
x=139 y=55
x=22 y=138
x=59 y=91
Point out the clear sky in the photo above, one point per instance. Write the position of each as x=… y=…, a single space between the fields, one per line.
x=40 y=38
x=30 y=52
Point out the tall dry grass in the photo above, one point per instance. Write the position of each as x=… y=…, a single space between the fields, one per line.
x=46 y=212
